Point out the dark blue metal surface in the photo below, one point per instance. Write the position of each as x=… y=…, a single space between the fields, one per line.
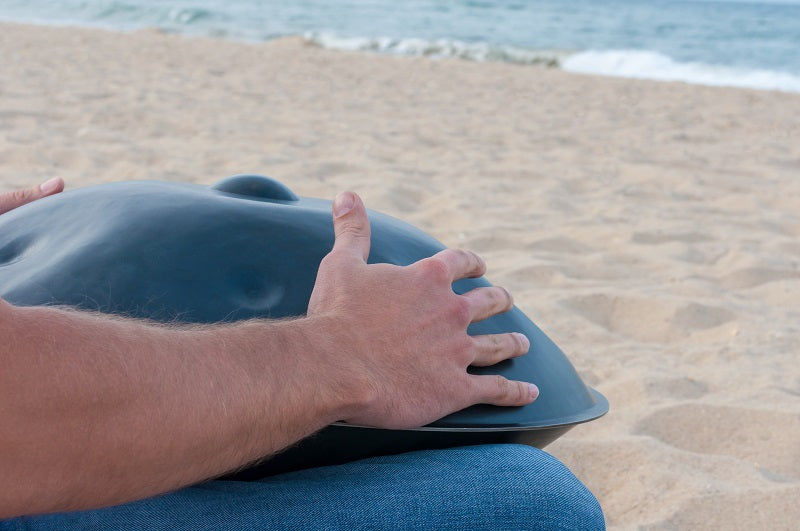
x=248 y=247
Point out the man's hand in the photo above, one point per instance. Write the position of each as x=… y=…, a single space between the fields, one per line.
x=17 y=198
x=401 y=332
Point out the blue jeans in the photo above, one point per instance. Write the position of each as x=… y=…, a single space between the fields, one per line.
x=476 y=487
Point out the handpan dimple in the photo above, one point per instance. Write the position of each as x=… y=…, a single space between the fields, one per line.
x=248 y=247
x=14 y=249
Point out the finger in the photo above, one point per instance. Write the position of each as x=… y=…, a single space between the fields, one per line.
x=17 y=198
x=500 y=391
x=494 y=348
x=51 y=186
x=459 y=263
x=488 y=301
x=351 y=225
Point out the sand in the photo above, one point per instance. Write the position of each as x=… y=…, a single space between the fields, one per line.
x=651 y=229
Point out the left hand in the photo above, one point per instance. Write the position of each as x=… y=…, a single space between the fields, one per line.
x=17 y=198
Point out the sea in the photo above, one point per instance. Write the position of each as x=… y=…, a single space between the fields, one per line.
x=740 y=43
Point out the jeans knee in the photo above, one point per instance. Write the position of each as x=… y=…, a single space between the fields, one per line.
x=535 y=490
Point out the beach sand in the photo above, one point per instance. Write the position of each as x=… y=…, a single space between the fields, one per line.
x=651 y=229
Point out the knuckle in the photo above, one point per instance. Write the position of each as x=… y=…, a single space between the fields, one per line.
x=350 y=228
x=498 y=344
x=464 y=348
x=329 y=259
x=508 y=392
x=462 y=310
x=470 y=258
x=334 y=263
x=22 y=196
x=466 y=254
x=505 y=298
x=518 y=343
x=497 y=297
x=436 y=270
x=501 y=387
x=17 y=198
x=480 y=264
x=476 y=264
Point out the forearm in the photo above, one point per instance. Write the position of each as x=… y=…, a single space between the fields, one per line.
x=97 y=411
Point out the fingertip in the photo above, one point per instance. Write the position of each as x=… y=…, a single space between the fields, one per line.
x=480 y=267
x=524 y=343
x=351 y=224
x=500 y=391
x=461 y=263
x=510 y=298
x=534 y=392
x=343 y=203
x=527 y=394
x=51 y=186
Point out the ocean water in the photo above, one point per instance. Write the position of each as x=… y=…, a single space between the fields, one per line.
x=754 y=44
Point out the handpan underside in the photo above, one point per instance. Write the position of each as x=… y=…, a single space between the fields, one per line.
x=246 y=248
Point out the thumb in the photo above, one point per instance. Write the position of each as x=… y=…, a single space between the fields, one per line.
x=17 y=198
x=350 y=225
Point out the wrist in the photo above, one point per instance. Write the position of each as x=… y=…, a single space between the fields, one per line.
x=342 y=384
x=301 y=368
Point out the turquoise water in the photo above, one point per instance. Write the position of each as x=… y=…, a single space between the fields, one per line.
x=718 y=42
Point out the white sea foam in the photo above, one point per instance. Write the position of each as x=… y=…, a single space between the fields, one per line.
x=439 y=48
x=652 y=65
x=620 y=63
x=512 y=32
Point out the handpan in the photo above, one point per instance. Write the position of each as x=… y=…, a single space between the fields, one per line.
x=248 y=247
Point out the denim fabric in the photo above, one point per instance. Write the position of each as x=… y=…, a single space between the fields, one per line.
x=479 y=487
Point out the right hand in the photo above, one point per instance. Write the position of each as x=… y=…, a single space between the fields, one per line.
x=401 y=331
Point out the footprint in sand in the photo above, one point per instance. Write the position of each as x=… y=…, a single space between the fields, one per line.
x=767 y=439
x=751 y=277
x=647 y=319
x=699 y=248
x=733 y=510
x=492 y=242
x=559 y=245
x=675 y=388
x=694 y=316
x=658 y=237
x=538 y=275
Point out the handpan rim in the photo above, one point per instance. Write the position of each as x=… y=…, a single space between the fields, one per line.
x=599 y=409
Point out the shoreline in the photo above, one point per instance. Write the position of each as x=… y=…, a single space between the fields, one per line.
x=649 y=228
x=578 y=62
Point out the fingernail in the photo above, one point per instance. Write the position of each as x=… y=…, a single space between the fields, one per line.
x=534 y=391
x=49 y=186
x=343 y=204
x=526 y=343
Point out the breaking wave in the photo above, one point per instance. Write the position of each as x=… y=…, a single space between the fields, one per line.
x=656 y=66
x=317 y=21
x=440 y=48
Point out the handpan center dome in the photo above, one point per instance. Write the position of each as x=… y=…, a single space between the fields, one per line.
x=256 y=187
x=248 y=247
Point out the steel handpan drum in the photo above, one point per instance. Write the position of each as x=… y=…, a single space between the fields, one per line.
x=249 y=247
